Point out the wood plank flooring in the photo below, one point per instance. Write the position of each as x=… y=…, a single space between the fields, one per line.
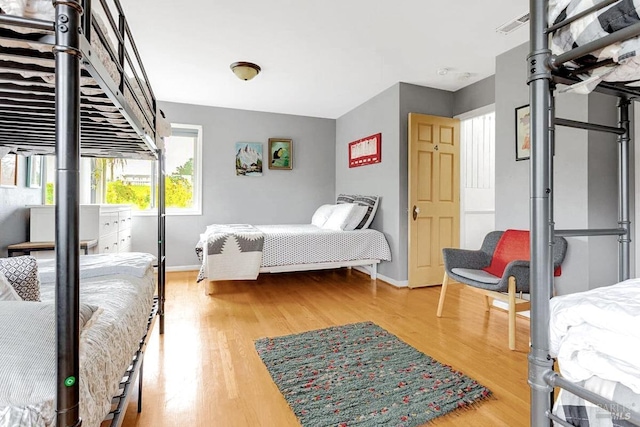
x=204 y=371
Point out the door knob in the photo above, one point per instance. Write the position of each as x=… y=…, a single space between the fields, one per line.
x=416 y=211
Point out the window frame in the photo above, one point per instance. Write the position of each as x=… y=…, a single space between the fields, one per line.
x=153 y=211
x=197 y=178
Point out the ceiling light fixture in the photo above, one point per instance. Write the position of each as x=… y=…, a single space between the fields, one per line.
x=245 y=70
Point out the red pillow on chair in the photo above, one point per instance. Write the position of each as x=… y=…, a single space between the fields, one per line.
x=513 y=245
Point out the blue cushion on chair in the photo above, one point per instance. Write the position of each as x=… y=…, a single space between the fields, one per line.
x=477 y=275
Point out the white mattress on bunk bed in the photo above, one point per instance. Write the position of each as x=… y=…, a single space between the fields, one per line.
x=597 y=332
x=297 y=244
x=107 y=344
x=595 y=336
x=595 y=26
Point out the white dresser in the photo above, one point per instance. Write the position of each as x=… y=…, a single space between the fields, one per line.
x=109 y=224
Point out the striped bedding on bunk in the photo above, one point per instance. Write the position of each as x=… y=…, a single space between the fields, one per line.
x=108 y=341
x=581 y=413
x=44 y=10
x=625 y=65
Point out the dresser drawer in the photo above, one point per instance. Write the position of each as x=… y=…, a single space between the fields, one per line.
x=108 y=223
x=109 y=244
x=124 y=240
x=124 y=219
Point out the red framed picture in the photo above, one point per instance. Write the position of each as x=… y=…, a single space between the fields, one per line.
x=365 y=151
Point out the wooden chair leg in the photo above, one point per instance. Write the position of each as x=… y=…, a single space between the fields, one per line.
x=443 y=292
x=512 y=313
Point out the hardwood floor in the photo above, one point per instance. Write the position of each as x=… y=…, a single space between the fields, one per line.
x=204 y=371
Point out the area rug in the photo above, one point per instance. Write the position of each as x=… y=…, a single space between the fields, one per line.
x=362 y=375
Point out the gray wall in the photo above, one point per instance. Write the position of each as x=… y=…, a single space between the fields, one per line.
x=379 y=114
x=584 y=181
x=276 y=197
x=423 y=100
x=14 y=224
x=479 y=94
x=388 y=113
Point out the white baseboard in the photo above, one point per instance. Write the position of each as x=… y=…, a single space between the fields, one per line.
x=396 y=283
x=389 y=280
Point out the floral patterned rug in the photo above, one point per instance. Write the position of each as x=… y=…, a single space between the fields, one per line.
x=362 y=375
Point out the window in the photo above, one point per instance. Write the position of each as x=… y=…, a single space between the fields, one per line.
x=478 y=134
x=134 y=182
x=477 y=172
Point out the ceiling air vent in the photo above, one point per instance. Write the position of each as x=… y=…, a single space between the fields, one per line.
x=513 y=24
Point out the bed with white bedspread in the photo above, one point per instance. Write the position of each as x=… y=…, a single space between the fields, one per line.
x=116 y=307
x=595 y=336
x=293 y=247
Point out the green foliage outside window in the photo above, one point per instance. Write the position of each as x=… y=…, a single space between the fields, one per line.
x=179 y=193
x=126 y=194
x=49 y=194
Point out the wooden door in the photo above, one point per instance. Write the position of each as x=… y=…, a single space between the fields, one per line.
x=434 y=195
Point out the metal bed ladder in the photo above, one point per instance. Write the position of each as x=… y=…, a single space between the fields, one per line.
x=541 y=63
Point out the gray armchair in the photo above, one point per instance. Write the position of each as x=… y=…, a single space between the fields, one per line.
x=466 y=267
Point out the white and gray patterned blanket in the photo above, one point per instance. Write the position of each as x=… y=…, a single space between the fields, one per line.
x=230 y=252
x=579 y=412
x=625 y=65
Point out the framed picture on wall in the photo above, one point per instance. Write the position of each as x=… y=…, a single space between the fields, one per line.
x=280 y=153
x=365 y=151
x=248 y=159
x=34 y=171
x=9 y=170
x=523 y=133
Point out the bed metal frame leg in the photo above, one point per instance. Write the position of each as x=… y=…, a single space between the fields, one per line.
x=624 y=240
x=374 y=271
x=67 y=102
x=161 y=240
x=541 y=223
x=140 y=384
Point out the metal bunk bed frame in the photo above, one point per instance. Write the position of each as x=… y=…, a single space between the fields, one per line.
x=72 y=35
x=545 y=70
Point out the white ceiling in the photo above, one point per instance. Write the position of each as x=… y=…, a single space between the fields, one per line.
x=319 y=58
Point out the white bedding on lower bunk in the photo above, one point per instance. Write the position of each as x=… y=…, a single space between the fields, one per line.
x=304 y=244
x=107 y=344
x=597 y=333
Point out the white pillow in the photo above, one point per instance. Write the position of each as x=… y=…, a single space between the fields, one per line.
x=339 y=217
x=357 y=214
x=322 y=214
x=7 y=293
